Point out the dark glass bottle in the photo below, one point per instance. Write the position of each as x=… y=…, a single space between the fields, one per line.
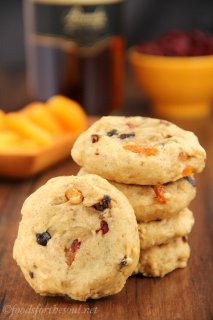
x=75 y=48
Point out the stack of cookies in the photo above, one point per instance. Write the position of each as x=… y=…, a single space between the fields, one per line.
x=83 y=236
x=152 y=162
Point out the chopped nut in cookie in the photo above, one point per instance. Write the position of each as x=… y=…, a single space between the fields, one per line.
x=74 y=195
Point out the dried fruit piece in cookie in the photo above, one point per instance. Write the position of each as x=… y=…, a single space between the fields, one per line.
x=141 y=150
x=183 y=156
x=111 y=133
x=187 y=171
x=103 y=204
x=159 y=193
x=104 y=228
x=126 y=135
x=71 y=251
x=43 y=238
x=95 y=138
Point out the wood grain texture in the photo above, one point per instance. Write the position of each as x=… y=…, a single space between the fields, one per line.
x=182 y=295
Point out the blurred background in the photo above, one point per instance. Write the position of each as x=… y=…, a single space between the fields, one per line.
x=143 y=20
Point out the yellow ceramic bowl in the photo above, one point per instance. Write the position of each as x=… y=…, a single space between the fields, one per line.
x=176 y=86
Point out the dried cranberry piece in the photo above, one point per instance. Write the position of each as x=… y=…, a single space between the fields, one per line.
x=175 y=43
x=111 y=133
x=43 y=238
x=191 y=181
x=103 y=227
x=180 y=43
x=71 y=252
x=126 y=135
x=103 y=204
x=95 y=138
x=75 y=245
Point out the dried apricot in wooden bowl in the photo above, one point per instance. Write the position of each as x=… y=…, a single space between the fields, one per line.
x=68 y=112
x=20 y=124
x=38 y=113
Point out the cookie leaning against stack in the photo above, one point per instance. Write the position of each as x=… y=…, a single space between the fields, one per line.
x=73 y=238
x=152 y=162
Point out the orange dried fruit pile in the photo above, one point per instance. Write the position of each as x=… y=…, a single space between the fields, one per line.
x=40 y=125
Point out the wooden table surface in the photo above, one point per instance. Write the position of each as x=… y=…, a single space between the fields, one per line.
x=185 y=294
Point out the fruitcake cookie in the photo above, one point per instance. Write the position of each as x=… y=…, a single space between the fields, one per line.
x=157 y=261
x=157 y=202
x=136 y=150
x=78 y=237
x=159 y=232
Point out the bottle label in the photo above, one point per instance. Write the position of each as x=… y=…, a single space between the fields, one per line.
x=86 y=25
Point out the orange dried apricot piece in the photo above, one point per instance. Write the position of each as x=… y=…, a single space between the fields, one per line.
x=187 y=171
x=183 y=156
x=159 y=193
x=38 y=113
x=68 y=112
x=142 y=150
x=20 y=124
